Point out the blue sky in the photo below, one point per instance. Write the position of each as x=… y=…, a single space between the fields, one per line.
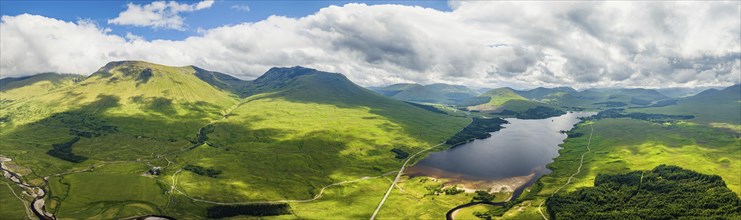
x=220 y=14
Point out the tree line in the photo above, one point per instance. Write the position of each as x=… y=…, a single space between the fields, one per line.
x=64 y=151
x=478 y=129
x=203 y=171
x=666 y=192
x=538 y=112
x=224 y=211
x=620 y=113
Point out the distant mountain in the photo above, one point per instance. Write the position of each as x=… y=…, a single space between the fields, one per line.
x=394 y=89
x=34 y=85
x=501 y=95
x=592 y=98
x=305 y=84
x=129 y=88
x=542 y=93
x=132 y=80
x=501 y=99
x=640 y=96
x=483 y=90
x=50 y=78
x=712 y=105
x=683 y=92
x=434 y=93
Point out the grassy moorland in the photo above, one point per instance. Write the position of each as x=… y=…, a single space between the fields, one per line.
x=12 y=207
x=711 y=106
x=296 y=131
x=292 y=157
x=622 y=145
x=420 y=198
x=106 y=195
x=288 y=146
x=472 y=212
x=292 y=134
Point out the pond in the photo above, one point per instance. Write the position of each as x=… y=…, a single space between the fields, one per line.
x=517 y=154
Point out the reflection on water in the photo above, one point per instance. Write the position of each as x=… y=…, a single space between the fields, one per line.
x=522 y=148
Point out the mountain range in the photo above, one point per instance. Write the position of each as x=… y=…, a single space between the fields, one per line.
x=434 y=93
x=286 y=135
x=500 y=99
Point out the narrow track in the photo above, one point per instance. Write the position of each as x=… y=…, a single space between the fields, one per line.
x=398 y=175
x=578 y=170
x=401 y=171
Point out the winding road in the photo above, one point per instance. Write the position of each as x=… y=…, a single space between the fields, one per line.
x=401 y=171
x=398 y=175
x=578 y=170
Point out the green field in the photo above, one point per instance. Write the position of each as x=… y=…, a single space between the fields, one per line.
x=712 y=106
x=12 y=207
x=352 y=201
x=106 y=195
x=470 y=212
x=413 y=199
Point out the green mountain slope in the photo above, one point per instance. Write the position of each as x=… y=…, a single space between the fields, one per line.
x=296 y=131
x=501 y=95
x=434 y=93
x=598 y=98
x=680 y=92
x=545 y=94
x=127 y=88
x=501 y=99
x=30 y=86
x=221 y=81
x=301 y=128
x=394 y=89
x=709 y=106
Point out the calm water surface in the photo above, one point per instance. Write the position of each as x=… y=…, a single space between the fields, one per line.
x=522 y=148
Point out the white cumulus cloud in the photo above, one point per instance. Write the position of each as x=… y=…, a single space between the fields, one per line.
x=520 y=44
x=159 y=14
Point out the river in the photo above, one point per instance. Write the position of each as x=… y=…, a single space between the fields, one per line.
x=510 y=160
x=36 y=192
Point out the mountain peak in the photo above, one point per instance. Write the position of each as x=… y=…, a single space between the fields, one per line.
x=138 y=69
x=287 y=73
x=501 y=89
x=280 y=78
x=114 y=64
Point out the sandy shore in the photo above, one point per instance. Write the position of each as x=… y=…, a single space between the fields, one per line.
x=471 y=185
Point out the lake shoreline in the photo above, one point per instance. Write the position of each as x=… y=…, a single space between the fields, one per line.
x=510 y=160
